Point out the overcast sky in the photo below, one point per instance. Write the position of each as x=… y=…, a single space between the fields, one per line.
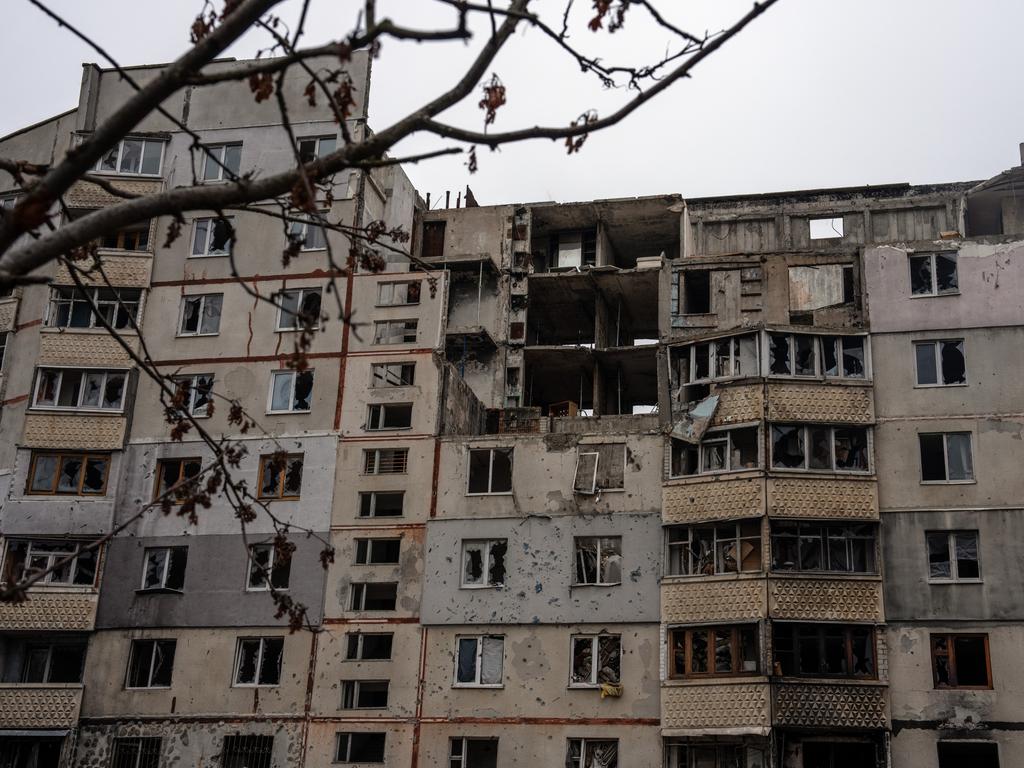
x=815 y=93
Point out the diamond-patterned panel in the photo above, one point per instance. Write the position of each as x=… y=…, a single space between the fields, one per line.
x=122 y=271
x=694 y=601
x=49 y=612
x=808 y=705
x=85 y=195
x=820 y=402
x=31 y=706
x=721 y=705
x=44 y=430
x=81 y=348
x=694 y=502
x=738 y=404
x=825 y=599
x=823 y=498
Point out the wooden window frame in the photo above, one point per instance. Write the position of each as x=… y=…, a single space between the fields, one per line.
x=174 y=498
x=84 y=457
x=951 y=655
x=847 y=629
x=734 y=644
x=280 y=495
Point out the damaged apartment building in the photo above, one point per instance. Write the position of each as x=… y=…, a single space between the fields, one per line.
x=694 y=483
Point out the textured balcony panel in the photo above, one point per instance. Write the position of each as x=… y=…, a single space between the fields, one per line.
x=825 y=600
x=50 y=611
x=736 y=705
x=29 y=706
x=820 y=402
x=823 y=498
x=44 y=430
x=8 y=309
x=85 y=195
x=698 y=601
x=738 y=404
x=696 y=502
x=91 y=349
x=122 y=271
x=824 y=705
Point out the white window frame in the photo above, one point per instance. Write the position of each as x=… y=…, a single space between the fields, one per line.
x=373 y=504
x=359 y=587
x=937 y=350
x=203 y=297
x=359 y=645
x=954 y=576
x=376 y=452
x=490 y=470
x=575 y=555
x=464 y=741
x=806 y=428
x=583 y=750
x=291 y=391
x=268 y=570
x=168 y=553
x=206 y=252
x=945 y=458
x=379 y=409
x=935 y=292
x=381 y=302
x=193 y=390
x=348 y=748
x=218 y=150
x=374 y=367
x=389 y=323
x=50 y=321
x=259 y=662
x=317 y=139
x=152 y=663
x=106 y=373
x=486 y=545
x=120 y=153
x=356 y=686
x=819 y=340
x=369 y=550
x=478 y=667
x=52 y=558
x=733 y=357
x=298 y=231
x=595 y=644
x=301 y=294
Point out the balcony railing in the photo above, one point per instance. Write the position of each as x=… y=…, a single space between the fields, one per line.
x=39 y=705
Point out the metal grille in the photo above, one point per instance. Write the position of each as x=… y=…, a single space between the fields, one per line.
x=136 y=753
x=247 y=752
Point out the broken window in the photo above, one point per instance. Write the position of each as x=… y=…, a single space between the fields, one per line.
x=150 y=663
x=933 y=274
x=80 y=389
x=490 y=470
x=433 y=239
x=378 y=551
x=976 y=754
x=360 y=747
x=592 y=753
x=27 y=558
x=221 y=161
x=247 y=752
x=140 y=157
x=298 y=309
x=816 y=447
x=175 y=478
x=394 y=331
x=200 y=315
x=577 y=248
x=136 y=752
x=946 y=457
x=953 y=556
x=843 y=357
x=598 y=560
x=807 y=355
x=600 y=467
x=840 y=754
x=212 y=237
x=720 y=451
x=792 y=354
x=73 y=308
x=280 y=476
x=381 y=503
x=835 y=547
x=825 y=228
x=682 y=754
x=268 y=567
x=393 y=375
x=961 y=661
x=54 y=662
x=395 y=294
x=374 y=596
x=696 y=291
x=164 y=568
x=315 y=147
x=824 y=650
x=479 y=660
x=465 y=752
x=389 y=416
x=596 y=660
x=706 y=550
x=715 y=361
x=385 y=461
x=940 y=363
x=820 y=286
x=309 y=234
x=369 y=646
x=291 y=391
x=258 y=661
x=483 y=562
x=364 y=694
x=74 y=474
x=195 y=393
x=713 y=651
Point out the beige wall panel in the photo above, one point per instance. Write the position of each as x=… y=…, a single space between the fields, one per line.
x=85 y=195
x=121 y=271
x=739 y=404
x=79 y=348
x=74 y=432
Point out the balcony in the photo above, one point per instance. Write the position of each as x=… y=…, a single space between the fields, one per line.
x=39 y=705
x=815 y=496
x=85 y=195
x=727 y=706
x=738 y=404
x=707 y=599
x=81 y=347
x=125 y=269
x=829 y=705
x=817 y=402
x=813 y=598
x=73 y=431
x=713 y=497
x=48 y=611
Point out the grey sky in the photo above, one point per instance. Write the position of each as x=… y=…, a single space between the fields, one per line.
x=815 y=93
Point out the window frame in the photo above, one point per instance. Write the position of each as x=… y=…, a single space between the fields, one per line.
x=192 y=380
x=347 y=736
x=52 y=647
x=372 y=495
x=219 y=150
x=317 y=139
x=302 y=292
x=183 y=481
x=570 y=762
x=170 y=552
x=951 y=655
x=120 y=155
x=951 y=535
x=92 y=299
x=299 y=231
x=52 y=558
x=576 y=555
x=136 y=752
x=460 y=760
x=203 y=298
x=688 y=548
x=380 y=302
x=291 y=390
x=86 y=372
x=478 y=663
x=156 y=641
x=359 y=636
x=268 y=571
x=595 y=649
x=485 y=582
x=490 y=470
x=377 y=461
x=937 y=351
x=368 y=550
x=210 y=223
x=945 y=458
x=717 y=434
x=357 y=598
x=735 y=354
x=819 y=340
x=828 y=221
x=376 y=412
x=735 y=649
x=934 y=292
x=84 y=457
x=824 y=538
x=806 y=427
x=387 y=324
x=356 y=686
x=261 y=653
x=280 y=494
x=848 y=646
x=374 y=378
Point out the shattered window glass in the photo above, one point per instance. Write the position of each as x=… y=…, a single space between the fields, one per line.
x=787 y=446
x=804 y=356
x=921 y=275
x=954 y=369
x=483 y=563
x=599 y=560
x=605 y=650
x=778 y=354
x=945 y=273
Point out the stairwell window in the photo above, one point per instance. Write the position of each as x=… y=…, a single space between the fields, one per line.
x=825 y=229
x=136 y=752
x=946 y=457
x=394 y=294
x=598 y=560
x=131 y=156
x=713 y=651
x=934 y=274
x=393 y=375
x=374 y=596
x=221 y=161
x=385 y=461
x=953 y=556
x=369 y=646
x=596 y=660
x=80 y=389
x=364 y=694
x=258 y=661
x=247 y=752
x=360 y=747
x=479 y=660
x=163 y=569
x=378 y=551
x=291 y=392
x=200 y=315
x=383 y=416
x=490 y=471
x=395 y=331
x=466 y=752
x=150 y=663
x=381 y=503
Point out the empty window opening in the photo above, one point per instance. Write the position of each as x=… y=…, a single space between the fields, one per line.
x=164 y=569
x=820 y=286
x=378 y=551
x=577 y=248
x=490 y=470
x=381 y=504
x=976 y=754
x=953 y=556
x=53 y=662
x=598 y=560
x=961 y=661
x=839 y=754
x=832 y=547
x=483 y=562
x=825 y=228
x=731 y=450
x=269 y=567
x=374 y=596
x=940 y=363
x=360 y=747
x=824 y=650
x=247 y=752
x=934 y=274
x=820 y=448
x=393 y=375
x=150 y=663
x=600 y=467
x=707 y=550
x=369 y=646
x=389 y=416
x=464 y=752
x=258 y=661
x=433 y=239
x=592 y=753
x=596 y=660
x=696 y=291
x=713 y=651
x=946 y=457
x=479 y=660
x=364 y=694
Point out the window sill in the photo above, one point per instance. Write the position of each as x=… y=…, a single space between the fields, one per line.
x=296 y=330
x=195 y=335
x=701 y=680
x=255 y=685
x=492 y=493
x=941 y=386
x=842 y=575
x=391 y=343
x=159 y=591
x=948 y=482
x=288 y=413
x=128 y=176
x=377 y=430
x=832 y=473
x=934 y=295
x=945 y=582
x=142 y=689
x=964 y=688
x=720 y=473
x=596 y=687
x=488 y=686
x=596 y=584
x=207 y=255
x=496 y=587
x=264 y=590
